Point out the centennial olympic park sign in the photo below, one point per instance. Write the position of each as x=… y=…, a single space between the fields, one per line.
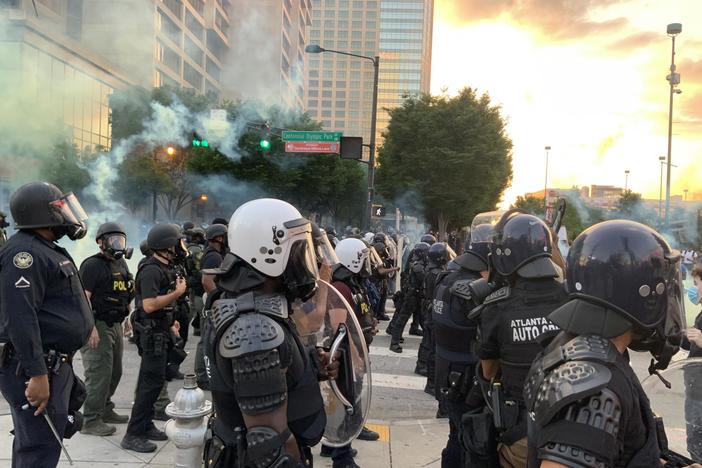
x=312 y=142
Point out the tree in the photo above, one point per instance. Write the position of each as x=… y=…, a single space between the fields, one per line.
x=450 y=154
x=630 y=206
x=63 y=168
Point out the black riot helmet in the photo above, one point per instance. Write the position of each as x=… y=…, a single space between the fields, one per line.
x=624 y=275
x=475 y=254
x=379 y=237
x=197 y=235
x=114 y=240
x=215 y=230
x=220 y=221
x=145 y=249
x=522 y=244
x=188 y=225
x=420 y=250
x=166 y=236
x=438 y=254
x=42 y=205
x=428 y=239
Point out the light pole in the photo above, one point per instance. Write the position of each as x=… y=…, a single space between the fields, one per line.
x=685 y=194
x=660 y=190
x=547 y=148
x=673 y=78
x=316 y=49
x=626 y=180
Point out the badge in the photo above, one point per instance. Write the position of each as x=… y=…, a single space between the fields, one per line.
x=23 y=260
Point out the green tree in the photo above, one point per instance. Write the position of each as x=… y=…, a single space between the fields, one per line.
x=62 y=168
x=452 y=154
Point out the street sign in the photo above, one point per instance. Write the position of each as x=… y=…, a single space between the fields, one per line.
x=311 y=136
x=312 y=147
x=351 y=148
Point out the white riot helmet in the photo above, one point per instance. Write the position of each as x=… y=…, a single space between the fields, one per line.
x=274 y=239
x=354 y=255
x=369 y=238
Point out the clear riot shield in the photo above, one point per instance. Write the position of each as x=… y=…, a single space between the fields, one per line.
x=676 y=399
x=328 y=321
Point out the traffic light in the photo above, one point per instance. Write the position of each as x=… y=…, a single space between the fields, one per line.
x=378 y=211
x=265 y=137
x=170 y=151
x=200 y=143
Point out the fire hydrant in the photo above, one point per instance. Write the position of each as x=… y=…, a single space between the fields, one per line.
x=187 y=428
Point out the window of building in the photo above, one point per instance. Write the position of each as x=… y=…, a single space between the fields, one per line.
x=175 y=7
x=194 y=51
x=341 y=74
x=340 y=94
x=316 y=13
x=371 y=24
x=316 y=23
x=370 y=45
x=357 y=4
x=343 y=3
x=169 y=28
x=371 y=15
x=326 y=103
x=329 y=13
x=355 y=95
x=326 y=113
x=327 y=93
x=193 y=24
x=342 y=34
x=340 y=103
x=328 y=74
x=371 y=5
x=329 y=24
x=341 y=45
x=315 y=34
x=330 y=3
x=341 y=84
x=313 y=93
x=214 y=70
x=328 y=34
x=326 y=84
x=326 y=123
x=355 y=45
x=356 y=34
x=314 y=83
x=356 y=84
x=342 y=24
x=313 y=103
x=192 y=76
x=343 y=14
x=339 y=123
x=357 y=14
x=198 y=5
x=355 y=75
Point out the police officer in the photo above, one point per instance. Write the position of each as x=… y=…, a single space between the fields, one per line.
x=513 y=320
x=268 y=405
x=428 y=239
x=109 y=286
x=3 y=224
x=412 y=298
x=437 y=258
x=455 y=336
x=45 y=318
x=587 y=406
x=212 y=257
x=196 y=250
x=158 y=287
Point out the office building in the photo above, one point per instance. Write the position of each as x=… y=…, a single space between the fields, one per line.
x=267 y=59
x=47 y=72
x=406 y=29
x=180 y=43
x=340 y=88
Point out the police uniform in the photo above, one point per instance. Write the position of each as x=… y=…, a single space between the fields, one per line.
x=153 y=279
x=111 y=286
x=211 y=258
x=412 y=302
x=426 y=354
x=45 y=319
x=455 y=355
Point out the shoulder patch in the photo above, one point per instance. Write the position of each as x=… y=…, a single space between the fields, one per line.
x=499 y=295
x=23 y=260
x=22 y=283
x=461 y=289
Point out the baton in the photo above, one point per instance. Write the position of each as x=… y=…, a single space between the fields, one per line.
x=53 y=431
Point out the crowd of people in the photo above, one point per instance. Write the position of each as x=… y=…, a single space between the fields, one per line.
x=524 y=351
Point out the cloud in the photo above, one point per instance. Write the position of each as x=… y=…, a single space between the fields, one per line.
x=557 y=19
x=634 y=41
x=691 y=108
x=690 y=70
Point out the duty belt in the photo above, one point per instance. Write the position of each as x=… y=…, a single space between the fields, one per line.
x=52 y=358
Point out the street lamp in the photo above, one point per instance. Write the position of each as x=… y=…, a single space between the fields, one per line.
x=685 y=194
x=626 y=180
x=547 y=148
x=673 y=78
x=660 y=190
x=316 y=49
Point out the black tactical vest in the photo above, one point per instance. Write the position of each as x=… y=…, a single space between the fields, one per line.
x=110 y=300
x=454 y=333
x=168 y=277
x=361 y=304
x=574 y=369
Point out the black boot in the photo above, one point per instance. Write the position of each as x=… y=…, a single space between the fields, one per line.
x=395 y=347
x=138 y=444
x=367 y=434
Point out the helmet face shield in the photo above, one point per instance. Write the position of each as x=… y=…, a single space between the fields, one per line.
x=325 y=251
x=72 y=214
x=301 y=273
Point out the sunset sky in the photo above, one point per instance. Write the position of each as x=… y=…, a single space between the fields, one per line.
x=586 y=77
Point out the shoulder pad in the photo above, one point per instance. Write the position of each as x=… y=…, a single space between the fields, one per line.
x=461 y=289
x=581 y=348
x=564 y=385
x=226 y=310
x=499 y=295
x=250 y=333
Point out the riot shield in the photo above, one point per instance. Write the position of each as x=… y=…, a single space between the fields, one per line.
x=328 y=321
x=676 y=400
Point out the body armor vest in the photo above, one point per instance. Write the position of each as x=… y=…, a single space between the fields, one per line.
x=164 y=315
x=110 y=300
x=455 y=334
x=361 y=304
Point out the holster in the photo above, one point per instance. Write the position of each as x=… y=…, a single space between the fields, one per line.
x=224 y=447
x=479 y=439
x=459 y=384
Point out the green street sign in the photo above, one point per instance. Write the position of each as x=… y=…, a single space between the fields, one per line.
x=311 y=136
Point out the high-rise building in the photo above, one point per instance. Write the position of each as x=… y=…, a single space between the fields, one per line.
x=181 y=43
x=406 y=29
x=340 y=88
x=267 y=60
x=47 y=72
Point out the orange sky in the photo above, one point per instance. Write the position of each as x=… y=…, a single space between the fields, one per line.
x=586 y=78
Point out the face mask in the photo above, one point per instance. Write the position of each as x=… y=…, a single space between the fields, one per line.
x=692 y=294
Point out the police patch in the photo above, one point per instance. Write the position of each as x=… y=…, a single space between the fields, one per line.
x=23 y=260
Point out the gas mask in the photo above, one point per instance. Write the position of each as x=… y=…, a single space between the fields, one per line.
x=115 y=245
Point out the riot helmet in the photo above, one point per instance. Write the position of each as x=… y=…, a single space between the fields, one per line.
x=273 y=238
x=475 y=253
x=220 y=221
x=167 y=237
x=145 y=249
x=114 y=240
x=323 y=247
x=354 y=254
x=428 y=238
x=195 y=236
x=42 y=205
x=420 y=251
x=623 y=275
x=368 y=238
x=380 y=237
x=3 y=220
x=522 y=245
x=188 y=226
x=215 y=230
x=438 y=254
